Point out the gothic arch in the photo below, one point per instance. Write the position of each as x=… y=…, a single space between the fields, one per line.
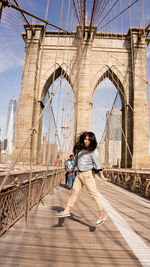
x=114 y=75
x=103 y=58
x=49 y=78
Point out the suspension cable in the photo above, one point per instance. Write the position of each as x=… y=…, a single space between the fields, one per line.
x=118 y=14
x=32 y=15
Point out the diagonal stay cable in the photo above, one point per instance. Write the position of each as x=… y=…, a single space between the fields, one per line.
x=32 y=15
x=103 y=9
x=118 y=14
x=108 y=12
x=76 y=12
x=122 y=93
x=32 y=136
x=26 y=141
x=139 y=76
x=25 y=18
x=92 y=15
x=124 y=134
x=98 y=9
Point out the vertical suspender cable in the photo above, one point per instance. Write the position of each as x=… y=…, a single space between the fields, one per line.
x=54 y=73
x=56 y=135
x=133 y=80
x=31 y=142
x=148 y=87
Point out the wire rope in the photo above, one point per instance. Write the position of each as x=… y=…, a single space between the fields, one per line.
x=117 y=15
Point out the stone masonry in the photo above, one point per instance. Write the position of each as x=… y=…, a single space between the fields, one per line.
x=85 y=63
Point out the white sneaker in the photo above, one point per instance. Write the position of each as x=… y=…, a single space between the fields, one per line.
x=63 y=214
x=102 y=219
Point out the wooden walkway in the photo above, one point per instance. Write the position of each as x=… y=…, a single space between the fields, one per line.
x=123 y=240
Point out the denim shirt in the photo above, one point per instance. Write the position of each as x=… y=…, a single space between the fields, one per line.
x=86 y=160
x=69 y=164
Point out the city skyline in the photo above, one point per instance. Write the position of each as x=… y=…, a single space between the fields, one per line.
x=11 y=124
x=12 y=44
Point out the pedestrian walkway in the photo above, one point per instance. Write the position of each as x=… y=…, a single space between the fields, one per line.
x=122 y=241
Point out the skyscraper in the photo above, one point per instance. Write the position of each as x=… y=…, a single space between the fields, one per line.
x=11 y=124
x=113 y=137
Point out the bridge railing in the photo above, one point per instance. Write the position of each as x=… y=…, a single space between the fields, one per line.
x=135 y=180
x=15 y=197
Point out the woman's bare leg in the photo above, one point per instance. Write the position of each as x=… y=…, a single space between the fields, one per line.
x=67 y=209
x=101 y=213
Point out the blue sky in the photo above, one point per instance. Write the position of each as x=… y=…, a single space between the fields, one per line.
x=12 y=45
x=103 y=98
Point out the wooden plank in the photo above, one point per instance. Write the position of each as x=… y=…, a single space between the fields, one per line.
x=76 y=241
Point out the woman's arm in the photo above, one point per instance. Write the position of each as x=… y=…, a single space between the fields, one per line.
x=103 y=177
x=96 y=159
x=95 y=156
x=74 y=162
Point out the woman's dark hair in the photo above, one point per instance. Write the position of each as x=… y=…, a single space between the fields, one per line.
x=80 y=143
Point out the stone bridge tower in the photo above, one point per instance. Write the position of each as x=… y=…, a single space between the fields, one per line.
x=85 y=63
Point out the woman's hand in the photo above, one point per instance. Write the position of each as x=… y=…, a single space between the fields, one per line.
x=103 y=177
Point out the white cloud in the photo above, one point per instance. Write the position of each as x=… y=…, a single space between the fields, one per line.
x=11 y=42
x=2 y=120
x=147 y=18
x=106 y=83
x=98 y=108
x=2 y=125
x=11 y=62
x=148 y=51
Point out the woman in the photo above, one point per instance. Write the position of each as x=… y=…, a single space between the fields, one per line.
x=87 y=158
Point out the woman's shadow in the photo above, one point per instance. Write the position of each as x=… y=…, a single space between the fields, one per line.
x=73 y=217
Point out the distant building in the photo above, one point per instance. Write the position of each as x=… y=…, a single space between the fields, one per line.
x=3 y=152
x=113 y=137
x=4 y=143
x=0 y=149
x=102 y=152
x=11 y=124
x=48 y=152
